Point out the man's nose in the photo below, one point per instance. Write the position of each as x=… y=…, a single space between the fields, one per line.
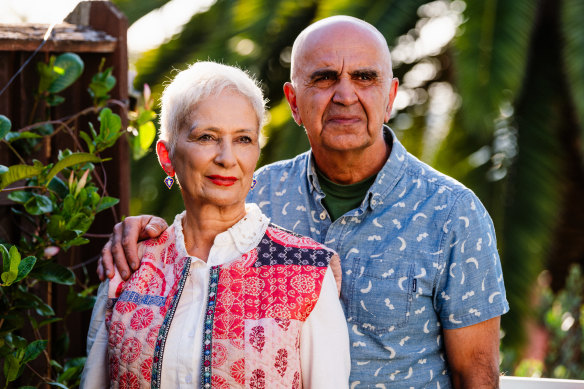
x=344 y=92
x=225 y=154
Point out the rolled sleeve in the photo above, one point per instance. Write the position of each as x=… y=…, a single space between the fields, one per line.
x=471 y=288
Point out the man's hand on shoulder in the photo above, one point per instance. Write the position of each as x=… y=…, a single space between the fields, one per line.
x=122 y=247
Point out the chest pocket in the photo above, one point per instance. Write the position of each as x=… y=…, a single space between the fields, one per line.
x=381 y=294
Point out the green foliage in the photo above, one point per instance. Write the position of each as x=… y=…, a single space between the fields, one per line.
x=57 y=75
x=59 y=201
x=563 y=317
x=101 y=83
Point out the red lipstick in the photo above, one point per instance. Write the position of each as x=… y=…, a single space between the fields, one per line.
x=222 y=180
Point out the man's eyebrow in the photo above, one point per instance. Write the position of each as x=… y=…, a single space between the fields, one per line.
x=371 y=73
x=323 y=72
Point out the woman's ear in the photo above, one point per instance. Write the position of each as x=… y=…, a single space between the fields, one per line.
x=162 y=150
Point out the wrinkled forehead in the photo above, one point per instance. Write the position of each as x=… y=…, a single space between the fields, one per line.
x=342 y=46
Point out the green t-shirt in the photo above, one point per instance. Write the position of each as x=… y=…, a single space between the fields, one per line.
x=340 y=199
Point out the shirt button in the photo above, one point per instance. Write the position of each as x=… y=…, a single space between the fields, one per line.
x=323 y=215
x=189 y=379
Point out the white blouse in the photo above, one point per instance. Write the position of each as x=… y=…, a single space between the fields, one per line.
x=324 y=341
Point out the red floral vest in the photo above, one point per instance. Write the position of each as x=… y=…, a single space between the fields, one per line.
x=256 y=307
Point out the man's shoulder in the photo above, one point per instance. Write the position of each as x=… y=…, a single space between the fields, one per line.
x=421 y=173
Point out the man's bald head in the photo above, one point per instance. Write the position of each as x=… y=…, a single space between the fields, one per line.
x=328 y=28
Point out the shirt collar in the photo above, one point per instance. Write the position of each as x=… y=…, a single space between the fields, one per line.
x=241 y=237
x=386 y=178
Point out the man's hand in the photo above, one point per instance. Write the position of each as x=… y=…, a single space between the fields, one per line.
x=473 y=355
x=122 y=247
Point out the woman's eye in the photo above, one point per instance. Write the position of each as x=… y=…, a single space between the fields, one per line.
x=205 y=138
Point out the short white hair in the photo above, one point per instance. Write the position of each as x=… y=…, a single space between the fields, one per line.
x=201 y=80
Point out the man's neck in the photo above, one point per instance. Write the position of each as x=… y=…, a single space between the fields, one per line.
x=353 y=166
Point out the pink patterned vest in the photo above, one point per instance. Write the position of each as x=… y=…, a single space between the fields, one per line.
x=256 y=307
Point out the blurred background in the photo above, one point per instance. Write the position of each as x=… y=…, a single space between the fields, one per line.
x=491 y=93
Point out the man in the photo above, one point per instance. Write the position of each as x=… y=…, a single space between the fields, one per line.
x=422 y=286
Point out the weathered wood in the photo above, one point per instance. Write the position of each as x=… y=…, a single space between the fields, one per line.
x=64 y=37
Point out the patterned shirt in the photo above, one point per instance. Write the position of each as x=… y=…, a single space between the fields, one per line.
x=418 y=255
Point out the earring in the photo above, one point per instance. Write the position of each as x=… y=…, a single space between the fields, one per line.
x=253 y=183
x=169 y=181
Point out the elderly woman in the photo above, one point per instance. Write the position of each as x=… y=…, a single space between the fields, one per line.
x=223 y=298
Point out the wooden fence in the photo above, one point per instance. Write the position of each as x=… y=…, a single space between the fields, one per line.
x=95 y=30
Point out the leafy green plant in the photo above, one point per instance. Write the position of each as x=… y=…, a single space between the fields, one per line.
x=57 y=203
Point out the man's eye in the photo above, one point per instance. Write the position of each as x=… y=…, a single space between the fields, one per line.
x=245 y=139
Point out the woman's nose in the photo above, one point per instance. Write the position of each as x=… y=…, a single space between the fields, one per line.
x=344 y=92
x=225 y=155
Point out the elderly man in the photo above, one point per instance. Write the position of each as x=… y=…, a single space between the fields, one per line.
x=422 y=287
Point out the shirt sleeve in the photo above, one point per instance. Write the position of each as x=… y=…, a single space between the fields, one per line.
x=324 y=342
x=470 y=287
x=95 y=373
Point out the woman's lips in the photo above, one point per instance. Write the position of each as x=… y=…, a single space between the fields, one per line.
x=222 y=180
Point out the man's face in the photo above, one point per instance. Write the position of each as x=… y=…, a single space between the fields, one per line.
x=342 y=88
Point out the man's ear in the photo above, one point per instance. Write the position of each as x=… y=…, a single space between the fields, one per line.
x=164 y=158
x=392 y=94
x=290 y=94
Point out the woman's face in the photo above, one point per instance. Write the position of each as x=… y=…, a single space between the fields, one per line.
x=216 y=153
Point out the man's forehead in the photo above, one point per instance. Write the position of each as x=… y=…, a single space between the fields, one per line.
x=340 y=43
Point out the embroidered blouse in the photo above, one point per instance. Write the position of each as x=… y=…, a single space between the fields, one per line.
x=324 y=355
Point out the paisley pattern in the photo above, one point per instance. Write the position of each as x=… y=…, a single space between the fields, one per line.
x=419 y=255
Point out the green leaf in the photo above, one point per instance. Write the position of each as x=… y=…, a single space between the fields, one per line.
x=5 y=126
x=11 y=368
x=53 y=272
x=58 y=186
x=54 y=100
x=88 y=141
x=70 y=160
x=146 y=134
x=38 y=204
x=49 y=321
x=106 y=202
x=69 y=67
x=19 y=172
x=78 y=241
x=146 y=116
x=9 y=277
x=33 y=350
x=14 y=136
x=72 y=369
x=109 y=129
x=5 y=258
x=25 y=267
x=20 y=196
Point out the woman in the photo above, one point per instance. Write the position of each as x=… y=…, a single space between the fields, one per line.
x=223 y=298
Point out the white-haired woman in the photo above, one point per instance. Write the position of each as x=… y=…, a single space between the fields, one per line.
x=222 y=298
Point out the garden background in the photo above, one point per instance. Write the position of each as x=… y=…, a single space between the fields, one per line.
x=491 y=93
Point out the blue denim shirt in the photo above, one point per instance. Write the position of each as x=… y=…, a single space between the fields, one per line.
x=419 y=255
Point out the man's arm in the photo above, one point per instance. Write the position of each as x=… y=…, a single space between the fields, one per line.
x=122 y=247
x=473 y=354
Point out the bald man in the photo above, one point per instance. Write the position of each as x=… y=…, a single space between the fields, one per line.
x=422 y=287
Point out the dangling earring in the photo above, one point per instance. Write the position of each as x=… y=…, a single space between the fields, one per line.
x=169 y=181
x=253 y=183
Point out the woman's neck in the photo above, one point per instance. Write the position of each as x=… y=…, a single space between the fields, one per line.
x=201 y=224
